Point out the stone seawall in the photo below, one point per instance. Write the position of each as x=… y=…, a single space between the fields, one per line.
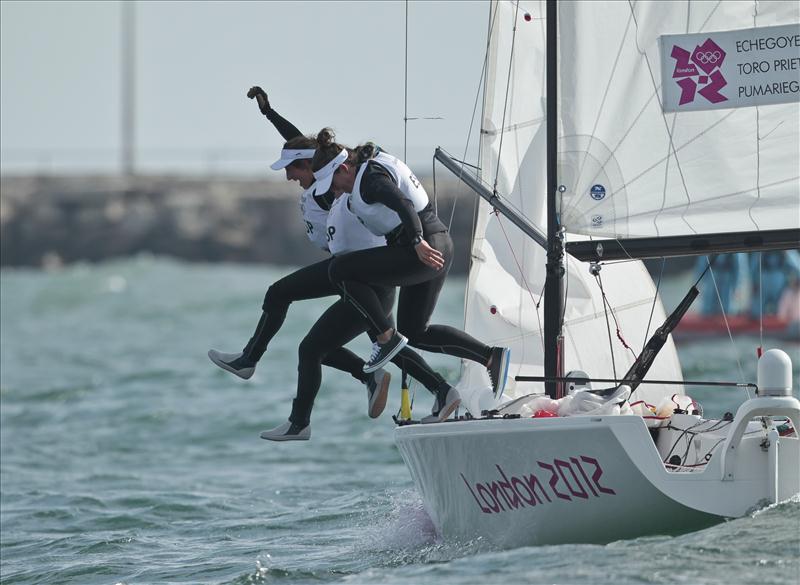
x=46 y=221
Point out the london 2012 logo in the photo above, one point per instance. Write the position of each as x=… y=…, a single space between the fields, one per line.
x=698 y=72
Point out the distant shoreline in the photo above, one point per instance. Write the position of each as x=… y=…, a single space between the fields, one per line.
x=56 y=220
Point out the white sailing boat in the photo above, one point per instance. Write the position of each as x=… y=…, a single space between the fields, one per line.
x=633 y=143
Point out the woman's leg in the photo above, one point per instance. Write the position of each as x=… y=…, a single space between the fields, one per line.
x=307 y=283
x=311 y=282
x=353 y=274
x=337 y=326
x=414 y=309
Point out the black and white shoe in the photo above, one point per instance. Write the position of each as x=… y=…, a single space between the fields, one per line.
x=498 y=370
x=288 y=431
x=235 y=363
x=447 y=401
x=377 y=390
x=383 y=352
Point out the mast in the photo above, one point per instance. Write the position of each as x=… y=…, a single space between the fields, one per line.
x=554 y=283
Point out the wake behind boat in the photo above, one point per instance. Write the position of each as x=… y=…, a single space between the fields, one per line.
x=598 y=151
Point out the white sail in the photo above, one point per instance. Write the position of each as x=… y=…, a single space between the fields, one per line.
x=508 y=269
x=734 y=167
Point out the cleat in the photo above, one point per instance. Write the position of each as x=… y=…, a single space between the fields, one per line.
x=377 y=390
x=235 y=363
x=447 y=401
x=383 y=352
x=498 y=371
x=288 y=431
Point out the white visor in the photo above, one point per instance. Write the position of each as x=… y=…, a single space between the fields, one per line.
x=289 y=155
x=324 y=176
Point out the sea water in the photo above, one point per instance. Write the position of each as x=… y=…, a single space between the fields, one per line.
x=127 y=457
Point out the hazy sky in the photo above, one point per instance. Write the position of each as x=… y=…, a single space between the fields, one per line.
x=322 y=63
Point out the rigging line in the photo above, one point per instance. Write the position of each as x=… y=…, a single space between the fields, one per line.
x=663 y=117
x=517 y=126
x=492 y=20
x=566 y=285
x=405 y=87
x=505 y=99
x=710 y=14
x=725 y=320
x=524 y=280
x=619 y=329
x=435 y=194
x=666 y=180
x=603 y=101
x=758 y=142
x=760 y=299
x=608 y=325
x=653 y=307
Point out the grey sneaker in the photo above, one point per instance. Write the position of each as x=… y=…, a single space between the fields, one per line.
x=498 y=371
x=288 y=431
x=377 y=390
x=383 y=352
x=447 y=401
x=235 y=363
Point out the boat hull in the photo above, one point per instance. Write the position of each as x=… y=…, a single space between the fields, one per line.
x=571 y=480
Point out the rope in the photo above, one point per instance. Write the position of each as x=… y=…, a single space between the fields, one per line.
x=405 y=88
x=524 y=280
x=608 y=325
x=505 y=100
x=653 y=307
x=725 y=320
x=492 y=20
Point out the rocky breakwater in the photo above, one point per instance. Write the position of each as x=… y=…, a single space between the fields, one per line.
x=49 y=221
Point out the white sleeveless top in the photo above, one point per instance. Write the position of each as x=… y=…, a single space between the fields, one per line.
x=315 y=218
x=346 y=233
x=378 y=218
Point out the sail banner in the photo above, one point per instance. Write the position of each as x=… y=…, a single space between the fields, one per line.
x=730 y=69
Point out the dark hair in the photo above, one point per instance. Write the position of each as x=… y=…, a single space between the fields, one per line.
x=301 y=142
x=328 y=149
x=366 y=151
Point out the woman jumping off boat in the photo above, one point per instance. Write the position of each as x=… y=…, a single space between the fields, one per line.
x=339 y=324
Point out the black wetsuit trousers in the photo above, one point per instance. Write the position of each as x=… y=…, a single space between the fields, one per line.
x=306 y=283
x=338 y=325
x=356 y=274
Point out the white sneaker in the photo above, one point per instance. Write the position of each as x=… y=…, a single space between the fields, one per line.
x=446 y=402
x=377 y=390
x=235 y=363
x=288 y=431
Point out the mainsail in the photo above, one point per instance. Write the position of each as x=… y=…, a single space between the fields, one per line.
x=627 y=166
x=633 y=168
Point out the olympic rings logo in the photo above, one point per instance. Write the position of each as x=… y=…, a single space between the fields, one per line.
x=708 y=57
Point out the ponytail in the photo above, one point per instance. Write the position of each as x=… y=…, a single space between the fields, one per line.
x=328 y=149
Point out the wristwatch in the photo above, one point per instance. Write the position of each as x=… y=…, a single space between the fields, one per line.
x=416 y=240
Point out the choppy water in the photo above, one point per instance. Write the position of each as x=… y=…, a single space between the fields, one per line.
x=128 y=458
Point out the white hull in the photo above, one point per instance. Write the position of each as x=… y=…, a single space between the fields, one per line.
x=516 y=482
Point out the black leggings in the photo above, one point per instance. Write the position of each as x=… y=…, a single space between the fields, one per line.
x=338 y=325
x=356 y=274
x=306 y=283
